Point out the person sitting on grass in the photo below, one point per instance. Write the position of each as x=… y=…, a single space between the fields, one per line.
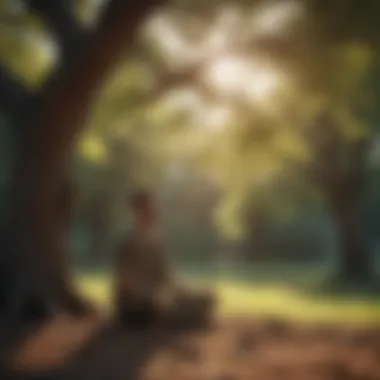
x=145 y=289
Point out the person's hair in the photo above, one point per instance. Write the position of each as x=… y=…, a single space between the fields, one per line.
x=140 y=199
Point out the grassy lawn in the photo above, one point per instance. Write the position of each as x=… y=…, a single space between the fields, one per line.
x=263 y=295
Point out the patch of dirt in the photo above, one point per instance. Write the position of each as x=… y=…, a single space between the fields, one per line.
x=235 y=349
x=53 y=344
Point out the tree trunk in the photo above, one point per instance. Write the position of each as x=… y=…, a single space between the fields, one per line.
x=354 y=263
x=37 y=236
x=257 y=239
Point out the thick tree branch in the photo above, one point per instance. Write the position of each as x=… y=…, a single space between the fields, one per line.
x=17 y=102
x=15 y=99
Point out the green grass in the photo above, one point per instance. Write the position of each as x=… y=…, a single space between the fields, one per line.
x=263 y=296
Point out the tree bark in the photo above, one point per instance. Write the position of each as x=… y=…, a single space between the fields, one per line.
x=36 y=232
x=354 y=260
x=257 y=251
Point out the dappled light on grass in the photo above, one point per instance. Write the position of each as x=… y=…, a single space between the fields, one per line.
x=295 y=305
x=257 y=300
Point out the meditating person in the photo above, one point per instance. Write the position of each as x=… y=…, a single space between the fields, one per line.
x=145 y=289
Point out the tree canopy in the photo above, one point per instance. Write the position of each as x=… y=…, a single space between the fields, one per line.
x=258 y=96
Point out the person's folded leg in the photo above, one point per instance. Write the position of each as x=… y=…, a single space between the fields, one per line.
x=191 y=309
x=176 y=307
x=136 y=313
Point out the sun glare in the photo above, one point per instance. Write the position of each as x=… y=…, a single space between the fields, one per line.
x=276 y=18
x=236 y=77
x=214 y=117
x=175 y=49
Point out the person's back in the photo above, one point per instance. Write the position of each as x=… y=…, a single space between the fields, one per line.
x=143 y=257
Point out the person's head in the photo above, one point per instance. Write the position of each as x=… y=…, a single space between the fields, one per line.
x=144 y=208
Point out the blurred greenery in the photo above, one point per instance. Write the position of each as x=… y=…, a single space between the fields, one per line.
x=248 y=118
